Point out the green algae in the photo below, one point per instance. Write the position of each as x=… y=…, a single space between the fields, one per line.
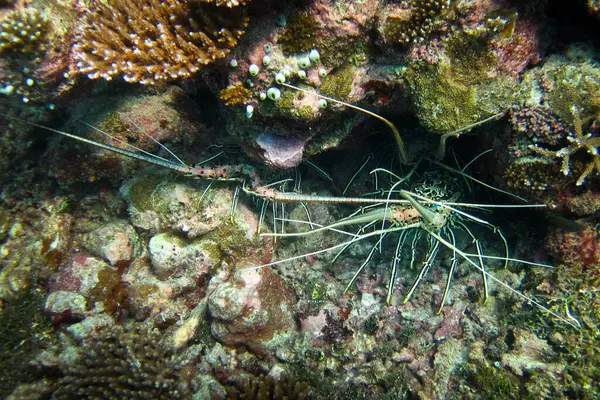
x=5 y=223
x=460 y=90
x=140 y=192
x=112 y=124
x=231 y=239
x=305 y=112
x=286 y=107
x=299 y=35
x=285 y=104
x=490 y=382
x=338 y=84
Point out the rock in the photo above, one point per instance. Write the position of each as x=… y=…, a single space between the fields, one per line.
x=89 y=326
x=251 y=307
x=63 y=304
x=280 y=151
x=172 y=256
x=114 y=242
x=91 y=278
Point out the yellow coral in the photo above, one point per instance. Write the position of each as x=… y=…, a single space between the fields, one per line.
x=22 y=30
x=151 y=40
x=235 y=94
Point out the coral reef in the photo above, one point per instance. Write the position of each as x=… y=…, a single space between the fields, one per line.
x=36 y=235
x=552 y=149
x=157 y=41
x=318 y=50
x=23 y=330
x=130 y=119
x=120 y=280
x=576 y=249
x=462 y=88
x=235 y=94
x=299 y=35
x=578 y=141
x=267 y=387
x=35 y=53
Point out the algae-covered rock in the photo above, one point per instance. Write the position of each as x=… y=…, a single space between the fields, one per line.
x=562 y=83
x=98 y=282
x=172 y=256
x=195 y=209
x=158 y=202
x=251 y=307
x=115 y=242
x=463 y=87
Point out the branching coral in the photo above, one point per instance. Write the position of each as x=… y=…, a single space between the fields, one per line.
x=150 y=41
x=22 y=30
x=124 y=365
x=235 y=94
x=267 y=387
x=578 y=141
x=412 y=20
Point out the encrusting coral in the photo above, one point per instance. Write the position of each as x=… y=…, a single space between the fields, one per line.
x=152 y=41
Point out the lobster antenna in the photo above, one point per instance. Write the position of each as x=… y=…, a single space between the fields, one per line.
x=399 y=142
x=153 y=160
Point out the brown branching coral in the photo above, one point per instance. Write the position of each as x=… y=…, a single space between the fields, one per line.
x=578 y=141
x=228 y=3
x=150 y=41
x=411 y=20
x=269 y=388
x=123 y=365
x=22 y=30
x=235 y=94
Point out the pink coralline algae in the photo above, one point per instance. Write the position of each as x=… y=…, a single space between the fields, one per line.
x=349 y=21
x=93 y=279
x=577 y=249
x=250 y=308
x=539 y=124
x=520 y=49
x=165 y=300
